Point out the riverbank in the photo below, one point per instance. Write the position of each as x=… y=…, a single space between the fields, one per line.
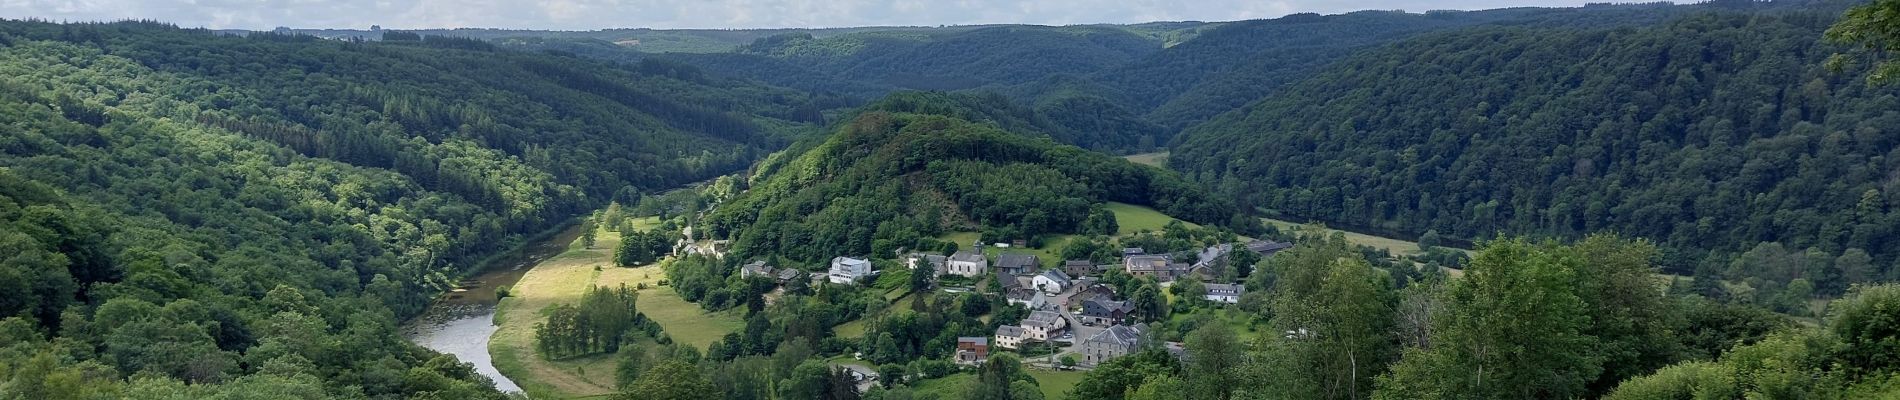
x=460 y=322
x=562 y=279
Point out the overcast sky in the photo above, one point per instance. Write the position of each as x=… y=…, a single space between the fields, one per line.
x=603 y=14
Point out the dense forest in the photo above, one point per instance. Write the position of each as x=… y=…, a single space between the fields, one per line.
x=1722 y=136
x=1132 y=87
x=191 y=215
x=1662 y=201
x=907 y=170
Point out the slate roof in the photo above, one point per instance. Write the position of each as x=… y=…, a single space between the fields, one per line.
x=1058 y=276
x=1010 y=331
x=1017 y=261
x=1044 y=319
x=1147 y=262
x=1021 y=294
x=1267 y=247
x=968 y=256
x=1222 y=289
x=1119 y=335
x=1099 y=307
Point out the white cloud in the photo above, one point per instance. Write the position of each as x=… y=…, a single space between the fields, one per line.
x=602 y=14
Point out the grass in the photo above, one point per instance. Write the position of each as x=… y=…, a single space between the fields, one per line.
x=562 y=279
x=855 y=328
x=1236 y=321
x=1133 y=218
x=1049 y=254
x=1156 y=159
x=949 y=387
x=644 y=224
x=1396 y=246
x=685 y=322
x=1055 y=384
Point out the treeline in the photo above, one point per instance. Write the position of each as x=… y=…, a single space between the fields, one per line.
x=1650 y=135
x=599 y=323
x=893 y=180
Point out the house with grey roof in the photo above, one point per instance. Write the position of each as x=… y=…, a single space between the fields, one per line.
x=1042 y=325
x=1017 y=264
x=1214 y=257
x=787 y=275
x=1052 y=281
x=1225 y=293
x=848 y=270
x=1026 y=297
x=968 y=263
x=1267 y=248
x=1079 y=268
x=1105 y=311
x=1111 y=343
x=1160 y=267
x=932 y=263
x=972 y=350
x=756 y=268
x=1010 y=336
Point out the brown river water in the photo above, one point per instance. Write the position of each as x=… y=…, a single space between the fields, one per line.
x=460 y=322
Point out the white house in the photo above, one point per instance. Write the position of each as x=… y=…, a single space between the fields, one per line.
x=1042 y=325
x=1052 y=281
x=1028 y=298
x=1225 y=293
x=968 y=264
x=847 y=270
x=1009 y=336
x=934 y=263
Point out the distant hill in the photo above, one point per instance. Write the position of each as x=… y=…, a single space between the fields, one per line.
x=894 y=174
x=1713 y=132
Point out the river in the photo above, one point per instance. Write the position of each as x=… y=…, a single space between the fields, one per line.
x=460 y=322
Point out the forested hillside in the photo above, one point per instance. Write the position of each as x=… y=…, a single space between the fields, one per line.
x=255 y=215
x=1715 y=132
x=1146 y=81
x=917 y=166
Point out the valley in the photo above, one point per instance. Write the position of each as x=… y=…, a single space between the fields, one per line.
x=1626 y=201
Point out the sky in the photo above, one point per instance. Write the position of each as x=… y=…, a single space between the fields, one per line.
x=675 y=14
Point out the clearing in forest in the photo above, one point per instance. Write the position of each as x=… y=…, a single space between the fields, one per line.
x=562 y=279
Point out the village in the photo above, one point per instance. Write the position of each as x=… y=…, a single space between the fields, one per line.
x=1075 y=320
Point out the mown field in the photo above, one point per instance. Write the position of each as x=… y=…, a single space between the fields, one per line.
x=562 y=279
x=1396 y=246
x=1156 y=159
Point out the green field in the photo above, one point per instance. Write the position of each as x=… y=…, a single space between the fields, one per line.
x=949 y=387
x=1236 y=320
x=1049 y=254
x=1131 y=218
x=1396 y=246
x=562 y=279
x=1157 y=159
x=1134 y=218
x=1055 y=384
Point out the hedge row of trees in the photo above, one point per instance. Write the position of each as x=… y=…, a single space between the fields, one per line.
x=599 y=323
